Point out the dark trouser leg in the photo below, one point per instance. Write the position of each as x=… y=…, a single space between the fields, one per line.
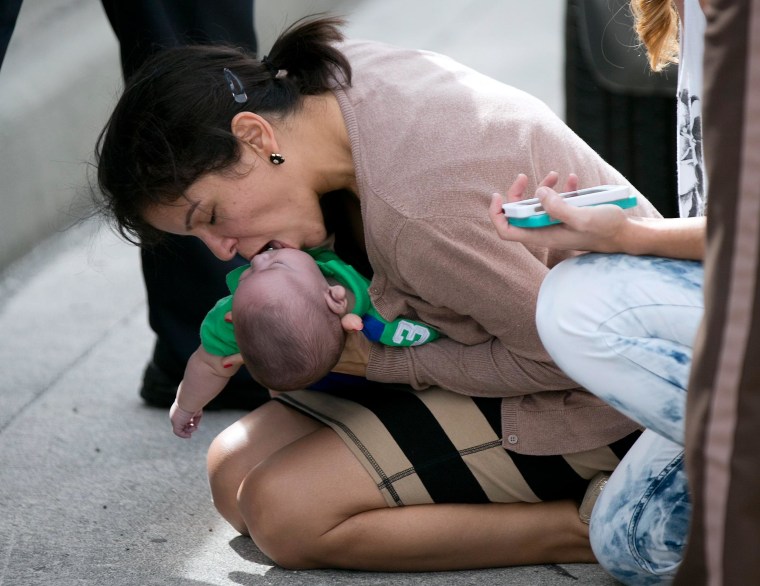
x=146 y=26
x=723 y=406
x=9 y=10
x=182 y=278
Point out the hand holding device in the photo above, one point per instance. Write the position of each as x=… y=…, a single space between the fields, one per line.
x=529 y=213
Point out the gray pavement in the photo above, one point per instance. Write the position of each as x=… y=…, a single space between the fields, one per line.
x=94 y=488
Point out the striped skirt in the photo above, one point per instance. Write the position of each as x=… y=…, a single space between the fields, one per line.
x=436 y=446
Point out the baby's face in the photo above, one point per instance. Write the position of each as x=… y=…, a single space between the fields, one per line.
x=278 y=273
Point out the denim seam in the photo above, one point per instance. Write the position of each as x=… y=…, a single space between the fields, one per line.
x=639 y=509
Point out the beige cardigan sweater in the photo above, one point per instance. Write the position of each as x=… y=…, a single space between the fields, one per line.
x=431 y=141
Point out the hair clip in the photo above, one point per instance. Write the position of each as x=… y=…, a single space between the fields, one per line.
x=236 y=87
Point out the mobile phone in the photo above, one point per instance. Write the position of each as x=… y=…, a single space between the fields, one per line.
x=529 y=213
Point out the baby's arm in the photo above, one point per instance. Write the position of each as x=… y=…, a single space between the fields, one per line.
x=205 y=377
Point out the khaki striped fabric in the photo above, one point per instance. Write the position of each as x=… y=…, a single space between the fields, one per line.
x=436 y=446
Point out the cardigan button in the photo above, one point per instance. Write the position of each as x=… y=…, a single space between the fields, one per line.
x=512 y=438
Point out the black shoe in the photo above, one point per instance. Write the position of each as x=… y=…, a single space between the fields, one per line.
x=158 y=389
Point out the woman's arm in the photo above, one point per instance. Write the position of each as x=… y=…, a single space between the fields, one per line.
x=603 y=228
x=486 y=290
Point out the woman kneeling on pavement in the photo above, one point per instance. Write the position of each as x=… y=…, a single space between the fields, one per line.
x=471 y=451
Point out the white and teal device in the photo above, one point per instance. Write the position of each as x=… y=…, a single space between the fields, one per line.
x=529 y=213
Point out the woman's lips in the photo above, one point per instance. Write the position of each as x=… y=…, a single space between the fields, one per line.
x=272 y=244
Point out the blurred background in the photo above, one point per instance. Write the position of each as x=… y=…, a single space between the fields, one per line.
x=61 y=76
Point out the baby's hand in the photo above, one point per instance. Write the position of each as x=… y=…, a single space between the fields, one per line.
x=184 y=423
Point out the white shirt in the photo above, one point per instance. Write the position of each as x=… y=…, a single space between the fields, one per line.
x=692 y=180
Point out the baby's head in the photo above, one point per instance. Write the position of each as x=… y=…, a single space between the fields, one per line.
x=287 y=320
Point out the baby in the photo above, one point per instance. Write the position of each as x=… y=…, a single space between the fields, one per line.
x=291 y=310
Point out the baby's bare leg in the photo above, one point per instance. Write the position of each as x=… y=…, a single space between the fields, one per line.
x=313 y=505
x=246 y=443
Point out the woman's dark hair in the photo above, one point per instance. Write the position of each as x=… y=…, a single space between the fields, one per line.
x=172 y=123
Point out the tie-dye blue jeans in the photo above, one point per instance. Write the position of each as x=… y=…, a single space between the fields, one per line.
x=623 y=327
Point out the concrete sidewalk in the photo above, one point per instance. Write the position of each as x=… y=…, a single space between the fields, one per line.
x=94 y=488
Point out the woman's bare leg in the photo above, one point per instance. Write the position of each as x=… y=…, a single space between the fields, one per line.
x=311 y=504
x=240 y=447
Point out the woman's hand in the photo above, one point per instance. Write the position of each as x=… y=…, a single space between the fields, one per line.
x=355 y=355
x=352 y=323
x=600 y=228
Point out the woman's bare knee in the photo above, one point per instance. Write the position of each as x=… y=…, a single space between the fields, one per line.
x=243 y=445
x=262 y=505
x=227 y=467
x=292 y=501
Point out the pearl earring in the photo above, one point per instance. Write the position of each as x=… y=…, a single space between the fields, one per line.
x=276 y=159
